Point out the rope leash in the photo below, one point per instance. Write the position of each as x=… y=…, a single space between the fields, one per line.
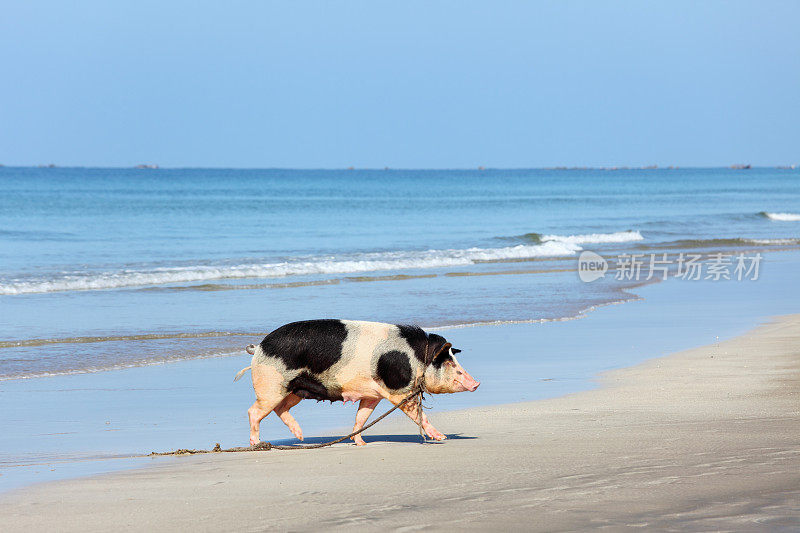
x=419 y=391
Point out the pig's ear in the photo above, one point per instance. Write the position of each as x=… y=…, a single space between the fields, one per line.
x=442 y=353
x=456 y=350
x=435 y=345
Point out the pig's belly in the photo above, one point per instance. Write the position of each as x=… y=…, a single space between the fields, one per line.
x=361 y=389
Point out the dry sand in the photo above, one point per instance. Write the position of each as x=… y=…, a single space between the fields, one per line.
x=707 y=439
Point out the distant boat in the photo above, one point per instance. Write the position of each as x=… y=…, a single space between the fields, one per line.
x=741 y=167
x=146 y=165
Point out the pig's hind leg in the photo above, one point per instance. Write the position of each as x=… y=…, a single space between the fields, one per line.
x=365 y=408
x=282 y=410
x=257 y=412
x=267 y=383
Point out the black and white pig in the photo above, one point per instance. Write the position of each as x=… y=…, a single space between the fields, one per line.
x=350 y=360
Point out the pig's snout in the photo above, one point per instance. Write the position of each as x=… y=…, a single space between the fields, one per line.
x=469 y=383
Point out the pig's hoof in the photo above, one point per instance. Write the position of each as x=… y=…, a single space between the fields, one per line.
x=359 y=441
x=435 y=435
x=298 y=434
x=254 y=441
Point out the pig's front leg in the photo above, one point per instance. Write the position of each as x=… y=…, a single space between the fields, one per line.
x=365 y=408
x=412 y=409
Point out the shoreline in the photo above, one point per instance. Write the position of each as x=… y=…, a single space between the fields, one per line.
x=704 y=439
x=623 y=295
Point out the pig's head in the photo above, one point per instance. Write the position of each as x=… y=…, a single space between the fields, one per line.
x=444 y=374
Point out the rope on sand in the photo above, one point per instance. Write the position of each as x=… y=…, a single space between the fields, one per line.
x=419 y=390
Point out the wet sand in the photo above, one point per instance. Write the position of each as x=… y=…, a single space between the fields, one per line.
x=706 y=439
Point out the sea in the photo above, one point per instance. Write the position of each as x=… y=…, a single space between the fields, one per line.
x=103 y=269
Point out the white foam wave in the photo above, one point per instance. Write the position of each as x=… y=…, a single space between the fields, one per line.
x=783 y=217
x=595 y=238
x=550 y=246
x=782 y=242
x=367 y=262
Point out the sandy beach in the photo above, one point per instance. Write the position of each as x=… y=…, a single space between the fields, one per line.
x=705 y=439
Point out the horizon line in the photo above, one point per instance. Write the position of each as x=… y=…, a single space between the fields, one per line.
x=153 y=166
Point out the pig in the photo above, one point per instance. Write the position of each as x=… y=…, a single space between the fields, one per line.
x=349 y=361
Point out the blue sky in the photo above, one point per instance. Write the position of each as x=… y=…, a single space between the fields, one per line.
x=400 y=84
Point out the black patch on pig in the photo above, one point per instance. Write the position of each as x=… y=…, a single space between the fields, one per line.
x=312 y=344
x=439 y=361
x=309 y=387
x=435 y=345
x=417 y=339
x=394 y=369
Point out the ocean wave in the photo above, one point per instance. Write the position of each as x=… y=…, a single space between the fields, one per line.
x=590 y=238
x=596 y=238
x=23 y=343
x=32 y=235
x=717 y=243
x=345 y=264
x=115 y=366
x=781 y=217
x=211 y=287
x=775 y=242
